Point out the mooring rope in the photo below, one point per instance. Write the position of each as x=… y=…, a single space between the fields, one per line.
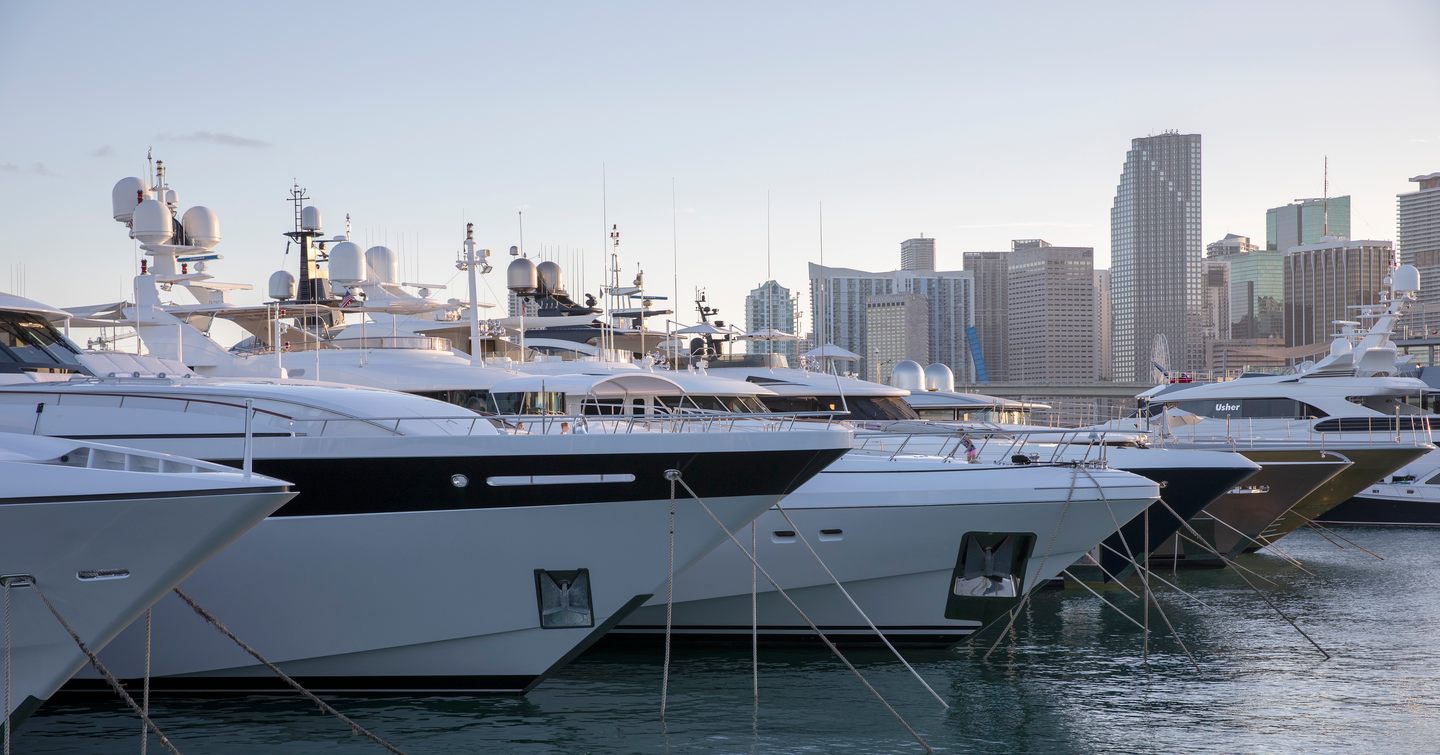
x=674 y=475
x=355 y=728
x=836 y=581
x=145 y=697
x=8 y=640
x=669 y=610
x=1257 y=590
x=100 y=667
x=754 y=613
x=1054 y=535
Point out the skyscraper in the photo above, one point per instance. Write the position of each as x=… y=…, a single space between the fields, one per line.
x=1306 y=221
x=1257 y=286
x=839 y=299
x=1104 y=365
x=991 y=309
x=1052 y=301
x=917 y=254
x=897 y=327
x=1418 y=238
x=1215 y=293
x=772 y=306
x=1155 y=256
x=1323 y=281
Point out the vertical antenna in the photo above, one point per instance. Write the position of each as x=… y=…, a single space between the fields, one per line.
x=674 y=252
x=1325 y=203
x=820 y=309
x=521 y=214
x=769 y=281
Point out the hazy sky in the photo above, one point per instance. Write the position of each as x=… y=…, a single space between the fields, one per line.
x=972 y=123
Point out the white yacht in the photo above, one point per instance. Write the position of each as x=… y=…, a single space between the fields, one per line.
x=104 y=532
x=427 y=548
x=1352 y=403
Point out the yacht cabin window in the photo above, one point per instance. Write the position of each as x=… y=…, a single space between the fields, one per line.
x=1244 y=408
x=860 y=407
x=28 y=342
x=1392 y=405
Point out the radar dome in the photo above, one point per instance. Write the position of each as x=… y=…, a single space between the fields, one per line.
x=384 y=266
x=282 y=285
x=521 y=277
x=1407 y=279
x=347 y=263
x=202 y=227
x=549 y=275
x=909 y=375
x=310 y=219
x=1339 y=347
x=152 y=222
x=127 y=193
x=939 y=377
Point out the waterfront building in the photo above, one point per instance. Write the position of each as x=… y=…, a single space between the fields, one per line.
x=1326 y=280
x=897 y=327
x=1418 y=243
x=1257 y=287
x=1051 y=293
x=773 y=306
x=1306 y=221
x=917 y=254
x=1155 y=257
x=991 y=271
x=1215 y=317
x=838 y=309
x=1104 y=368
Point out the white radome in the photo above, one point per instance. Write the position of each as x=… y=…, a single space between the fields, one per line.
x=202 y=227
x=152 y=222
x=347 y=263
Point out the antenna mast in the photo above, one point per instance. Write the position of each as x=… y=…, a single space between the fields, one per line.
x=1325 y=202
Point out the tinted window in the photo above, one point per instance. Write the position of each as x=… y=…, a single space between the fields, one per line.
x=1249 y=408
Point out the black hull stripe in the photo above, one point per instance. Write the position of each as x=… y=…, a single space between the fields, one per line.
x=1362 y=510
x=227 y=685
x=338 y=487
x=1187 y=490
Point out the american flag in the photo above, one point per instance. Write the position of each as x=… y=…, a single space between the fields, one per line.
x=347 y=301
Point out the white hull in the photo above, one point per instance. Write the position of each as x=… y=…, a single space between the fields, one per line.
x=894 y=541
x=157 y=540
x=422 y=600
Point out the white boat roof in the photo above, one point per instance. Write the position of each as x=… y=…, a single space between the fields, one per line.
x=13 y=303
x=602 y=386
x=958 y=400
x=790 y=381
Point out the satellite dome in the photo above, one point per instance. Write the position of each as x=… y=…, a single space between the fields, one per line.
x=347 y=263
x=127 y=193
x=310 y=219
x=202 y=227
x=521 y=277
x=152 y=222
x=282 y=285
x=1406 y=279
x=939 y=377
x=909 y=375
x=549 y=276
x=384 y=266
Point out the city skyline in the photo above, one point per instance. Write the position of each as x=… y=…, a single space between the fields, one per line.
x=501 y=129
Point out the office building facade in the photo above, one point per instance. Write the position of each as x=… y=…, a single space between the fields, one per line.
x=1051 y=292
x=917 y=254
x=1417 y=240
x=1257 y=287
x=991 y=271
x=1306 y=221
x=1325 y=281
x=1155 y=257
x=897 y=327
x=1104 y=366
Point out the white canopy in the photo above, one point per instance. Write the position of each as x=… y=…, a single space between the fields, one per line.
x=831 y=351
x=769 y=334
x=703 y=329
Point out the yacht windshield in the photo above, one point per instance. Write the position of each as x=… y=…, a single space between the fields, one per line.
x=28 y=342
x=860 y=407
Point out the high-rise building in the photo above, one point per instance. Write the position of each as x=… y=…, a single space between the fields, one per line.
x=1257 y=287
x=1418 y=243
x=771 y=306
x=1155 y=257
x=838 y=309
x=917 y=254
x=1104 y=368
x=1306 y=221
x=1325 y=280
x=1052 y=301
x=897 y=327
x=1215 y=317
x=991 y=270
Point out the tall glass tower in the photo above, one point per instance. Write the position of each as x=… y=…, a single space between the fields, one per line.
x=1156 y=302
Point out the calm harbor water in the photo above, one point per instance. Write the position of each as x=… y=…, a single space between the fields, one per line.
x=1070 y=677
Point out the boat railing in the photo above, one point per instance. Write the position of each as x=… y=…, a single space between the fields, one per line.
x=1005 y=445
x=1243 y=432
x=583 y=424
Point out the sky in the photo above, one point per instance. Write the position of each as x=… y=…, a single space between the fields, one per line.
x=970 y=123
